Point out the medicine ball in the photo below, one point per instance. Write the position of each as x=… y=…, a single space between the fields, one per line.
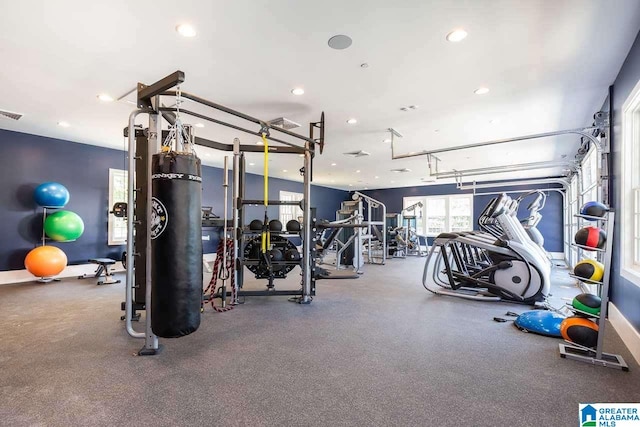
x=275 y=225
x=579 y=330
x=596 y=209
x=591 y=237
x=292 y=255
x=589 y=269
x=589 y=303
x=293 y=226
x=255 y=225
x=276 y=255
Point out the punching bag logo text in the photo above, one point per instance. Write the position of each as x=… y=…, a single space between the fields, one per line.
x=159 y=218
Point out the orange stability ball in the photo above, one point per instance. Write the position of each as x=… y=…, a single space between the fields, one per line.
x=45 y=261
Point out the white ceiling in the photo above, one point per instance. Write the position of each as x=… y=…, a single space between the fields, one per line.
x=547 y=63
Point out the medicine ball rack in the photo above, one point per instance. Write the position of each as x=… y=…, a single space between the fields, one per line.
x=580 y=353
x=143 y=143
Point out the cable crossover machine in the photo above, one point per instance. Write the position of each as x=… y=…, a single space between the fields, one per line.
x=163 y=258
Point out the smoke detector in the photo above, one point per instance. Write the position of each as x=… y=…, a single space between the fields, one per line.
x=359 y=153
x=10 y=115
x=284 y=123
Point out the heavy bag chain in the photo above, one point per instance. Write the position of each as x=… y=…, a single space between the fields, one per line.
x=228 y=269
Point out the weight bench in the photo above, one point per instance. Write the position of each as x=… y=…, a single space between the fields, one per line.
x=103 y=267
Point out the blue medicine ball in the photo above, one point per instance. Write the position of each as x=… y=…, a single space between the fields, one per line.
x=595 y=209
x=51 y=195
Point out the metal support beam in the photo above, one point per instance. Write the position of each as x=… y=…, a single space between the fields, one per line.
x=146 y=93
x=583 y=132
x=573 y=167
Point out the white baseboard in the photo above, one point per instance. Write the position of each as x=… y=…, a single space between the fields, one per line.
x=629 y=335
x=22 y=276
x=557 y=255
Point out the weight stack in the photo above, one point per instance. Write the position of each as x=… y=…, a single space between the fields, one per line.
x=176 y=236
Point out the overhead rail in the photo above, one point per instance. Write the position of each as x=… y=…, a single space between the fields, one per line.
x=572 y=166
x=564 y=182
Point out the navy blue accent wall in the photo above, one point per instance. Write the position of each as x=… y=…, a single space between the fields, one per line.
x=624 y=294
x=28 y=160
x=552 y=215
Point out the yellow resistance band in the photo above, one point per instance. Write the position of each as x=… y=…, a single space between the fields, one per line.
x=265 y=235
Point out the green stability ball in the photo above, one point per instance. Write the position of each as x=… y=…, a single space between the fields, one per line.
x=63 y=226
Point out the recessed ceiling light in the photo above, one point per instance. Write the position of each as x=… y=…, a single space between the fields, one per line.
x=252 y=164
x=481 y=90
x=340 y=42
x=297 y=91
x=300 y=155
x=352 y=121
x=64 y=124
x=358 y=171
x=259 y=143
x=350 y=185
x=392 y=182
x=333 y=180
x=376 y=177
x=207 y=154
x=457 y=35
x=186 y=30
x=105 y=97
x=366 y=188
x=333 y=164
x=199 y=125
x=386 y=140
x=284 y=170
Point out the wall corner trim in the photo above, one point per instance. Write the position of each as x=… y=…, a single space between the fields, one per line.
x=630 y=337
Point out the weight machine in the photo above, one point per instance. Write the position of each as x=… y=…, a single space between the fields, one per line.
x=144 y=143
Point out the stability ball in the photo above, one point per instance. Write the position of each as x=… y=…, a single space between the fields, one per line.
x=45 y=261
x=63 y=226
x=595 y=209
x=591 y=237
x=579 y=330
x=589 y=269
x=51 y=195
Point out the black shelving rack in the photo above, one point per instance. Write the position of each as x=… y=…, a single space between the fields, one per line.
x=597 y=356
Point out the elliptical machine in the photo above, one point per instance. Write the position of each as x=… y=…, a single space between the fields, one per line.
x=486 y=267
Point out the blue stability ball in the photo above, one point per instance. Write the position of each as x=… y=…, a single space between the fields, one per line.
x=541 y=322
x=51 y=195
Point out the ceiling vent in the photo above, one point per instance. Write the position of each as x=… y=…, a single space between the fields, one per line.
x=284 y=123
x=359 y=153
x=403 y=170
x=10 y=115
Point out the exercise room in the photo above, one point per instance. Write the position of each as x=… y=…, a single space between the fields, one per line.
x=339 y=213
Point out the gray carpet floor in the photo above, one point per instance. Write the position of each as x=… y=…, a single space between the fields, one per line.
x=376 y=351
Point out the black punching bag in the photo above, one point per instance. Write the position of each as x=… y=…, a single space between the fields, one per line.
x=176 y=236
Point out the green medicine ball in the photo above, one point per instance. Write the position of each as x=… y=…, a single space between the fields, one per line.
x=588 y=303
x=63 y=226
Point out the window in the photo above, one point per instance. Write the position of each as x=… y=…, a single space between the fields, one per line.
x=441 y=214
x=117 y=227
x=287 y=213
x=630 y=192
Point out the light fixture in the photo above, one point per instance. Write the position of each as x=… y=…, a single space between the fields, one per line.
x=64 y=124
x=259 y=143
x=297 y=91
x=481 y=90
x=358 y=171
x=333 y=180
x=284 y=170
x=300 y=155
x=199 y=125
x=333 y=164
x=340 y=42
x=386 y=140
x=376 y=177
x=352 y=121
x=366 y=188
x=350 y=185
x=105 y=97
x=457 y=35
x=252 y=164
x=392 y=182
x=186 y=30
x=494 y=121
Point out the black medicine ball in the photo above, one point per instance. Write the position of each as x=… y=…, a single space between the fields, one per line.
x=275 y=225
x=255 y=225
x=293 y=226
